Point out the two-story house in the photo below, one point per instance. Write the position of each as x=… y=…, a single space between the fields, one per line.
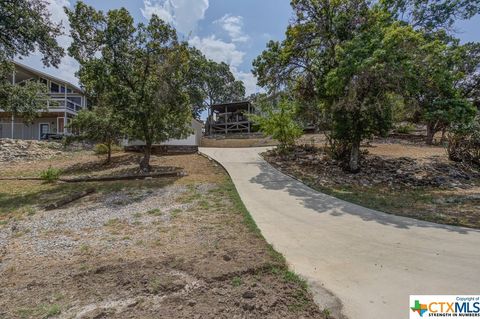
x=65 y=101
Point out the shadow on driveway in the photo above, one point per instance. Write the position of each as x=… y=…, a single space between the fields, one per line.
x=272 y=179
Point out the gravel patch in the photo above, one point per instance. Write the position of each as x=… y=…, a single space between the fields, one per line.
x=63 y=232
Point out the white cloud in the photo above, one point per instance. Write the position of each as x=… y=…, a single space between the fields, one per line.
x=58 y=15
x=228 y=52
x=248 y=79
x=221 y=51
x=234 y=27
x=183 y=14
x=163 y=11
x=218 y=50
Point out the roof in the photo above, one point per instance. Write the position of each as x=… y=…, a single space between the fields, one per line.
x=47 y=76
x=232 y=107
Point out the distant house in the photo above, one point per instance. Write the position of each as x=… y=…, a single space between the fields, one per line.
x=229 y=118
x=186 y=145
x=65 y=101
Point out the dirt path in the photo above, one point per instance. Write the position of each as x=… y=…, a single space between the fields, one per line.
x=372 y=261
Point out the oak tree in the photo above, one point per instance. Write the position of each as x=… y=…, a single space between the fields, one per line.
x=144 y=72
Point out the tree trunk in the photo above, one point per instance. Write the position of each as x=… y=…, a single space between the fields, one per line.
x=145 y=162
x=431 y=130
x=443 y=139
x=354 y=165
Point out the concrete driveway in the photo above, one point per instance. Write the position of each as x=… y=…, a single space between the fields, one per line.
x=370 y=260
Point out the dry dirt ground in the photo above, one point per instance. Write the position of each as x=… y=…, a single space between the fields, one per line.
x=161 y=248
x=399 y=176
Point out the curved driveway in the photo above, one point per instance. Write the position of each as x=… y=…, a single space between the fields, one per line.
x=370 y=260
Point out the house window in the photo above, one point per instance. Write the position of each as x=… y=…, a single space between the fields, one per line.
x=54 y=88
x=62 y=89
x=75 y=99
x=78 y=102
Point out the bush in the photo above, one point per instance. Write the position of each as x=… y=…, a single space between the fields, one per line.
x=279 y=122
x=50 y=175
x=405 y=128
x=464 y=143
x=116 y=148
x=101 y=149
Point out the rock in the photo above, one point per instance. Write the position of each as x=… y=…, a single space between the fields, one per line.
x=439 y=180
x=15 y=150
x=248 y=307
x=395 y=173
x=249 y=295
x=474 y=197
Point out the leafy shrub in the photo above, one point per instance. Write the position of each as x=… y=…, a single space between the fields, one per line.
x=100 y=149
x=50 y=175
x=279 y=122
x=405 y=128
x=464 y=143
x=116 y=148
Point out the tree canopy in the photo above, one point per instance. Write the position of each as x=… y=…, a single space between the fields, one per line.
x=138 y=70
x=25 y=27
x=102 y=125
x=432 y=14
x=212 y=83
x=348 y=62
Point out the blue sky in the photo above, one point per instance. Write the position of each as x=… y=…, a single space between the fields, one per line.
x=233 y=31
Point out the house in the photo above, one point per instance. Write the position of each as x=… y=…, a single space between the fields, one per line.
x=229 y=118
x=65 y=101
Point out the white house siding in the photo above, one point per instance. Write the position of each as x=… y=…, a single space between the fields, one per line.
x=192 y=140
x=24 y=131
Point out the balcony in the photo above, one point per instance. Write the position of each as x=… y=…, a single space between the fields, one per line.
x=73 y=104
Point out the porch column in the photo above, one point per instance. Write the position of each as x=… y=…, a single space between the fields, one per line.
x=65 y=113
x=13 y=117
x=49 y=95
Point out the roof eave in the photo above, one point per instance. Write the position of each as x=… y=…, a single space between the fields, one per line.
x=48 y=76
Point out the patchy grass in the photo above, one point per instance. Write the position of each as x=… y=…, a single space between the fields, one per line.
x=444 y=204
x=41 y=311
x=23 y=198
x=211 y=244
x=155 y=212
x=174 y=213
x=230 y=190
x=50 y=175
x=425 y=203
x=85 y=249
x=236 y=281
